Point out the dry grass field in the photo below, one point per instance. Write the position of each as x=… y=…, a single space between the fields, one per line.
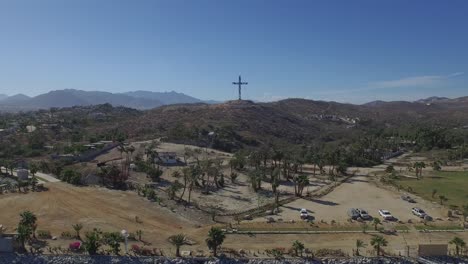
x=63 y=205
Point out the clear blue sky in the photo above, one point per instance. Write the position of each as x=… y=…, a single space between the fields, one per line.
x=347 y=51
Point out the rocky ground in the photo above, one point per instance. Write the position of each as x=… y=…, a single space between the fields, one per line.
x=42 y=259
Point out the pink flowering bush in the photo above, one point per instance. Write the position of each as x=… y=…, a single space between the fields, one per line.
x=136 y=249
x=75 y=246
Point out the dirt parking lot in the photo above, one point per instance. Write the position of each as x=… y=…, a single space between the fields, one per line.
x=358 y=192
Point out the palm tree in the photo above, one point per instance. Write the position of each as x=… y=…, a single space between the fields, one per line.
x=23 y=233
x=378 y=242
x=131 y=149
x=178 y=241
x=359 y=244
x=215 y=239
x=298 y=247
x=121 y=149
x=465 y=212
x=316 y=159
x=33 y=169
x=194 y=175
x=376 y=222
x=301 y=182
x=418 y=166
x=77 y=228
x=29 y=220
x=173 y=189
x=139 y=233
x=442 y=199
x=459 y=243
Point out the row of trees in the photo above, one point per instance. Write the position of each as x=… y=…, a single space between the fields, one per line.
x=95 y=239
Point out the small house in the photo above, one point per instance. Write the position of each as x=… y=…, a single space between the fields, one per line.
x=167 y=158
x=22 y=174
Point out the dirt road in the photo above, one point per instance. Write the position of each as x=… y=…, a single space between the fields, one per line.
x=358 y=192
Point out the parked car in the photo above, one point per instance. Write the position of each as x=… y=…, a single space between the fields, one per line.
x=353 y=213
x=385 y=214
x=363 y=214
x=304 y=214
x=418 y=212
x=408 y=198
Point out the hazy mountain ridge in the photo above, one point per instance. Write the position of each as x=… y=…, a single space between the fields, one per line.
x=70 y=97
x=165 y=97
x=144 y=100
x=432 y=99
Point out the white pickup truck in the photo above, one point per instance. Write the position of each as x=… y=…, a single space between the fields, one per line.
x=418 y=212
x=386 y=215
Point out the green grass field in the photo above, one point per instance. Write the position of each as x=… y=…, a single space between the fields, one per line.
x=453 y=185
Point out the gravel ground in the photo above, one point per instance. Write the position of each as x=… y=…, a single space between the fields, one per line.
x=27 y=259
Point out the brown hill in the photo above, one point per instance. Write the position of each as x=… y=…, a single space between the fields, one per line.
x=294 y=121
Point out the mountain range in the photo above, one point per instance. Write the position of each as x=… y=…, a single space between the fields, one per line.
x=70 y=97
x=144 y=100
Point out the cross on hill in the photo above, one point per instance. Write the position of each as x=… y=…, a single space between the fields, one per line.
x=240 y=83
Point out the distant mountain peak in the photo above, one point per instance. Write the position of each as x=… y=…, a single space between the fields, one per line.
x=171 y=97
x=73 y=97
x=432 y=99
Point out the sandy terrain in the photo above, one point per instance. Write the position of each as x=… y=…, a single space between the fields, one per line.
x=358 y=192
x=110 y=210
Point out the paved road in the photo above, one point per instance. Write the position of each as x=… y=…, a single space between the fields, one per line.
x=47 y=177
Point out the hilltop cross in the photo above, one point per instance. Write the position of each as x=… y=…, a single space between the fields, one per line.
x=240 y=83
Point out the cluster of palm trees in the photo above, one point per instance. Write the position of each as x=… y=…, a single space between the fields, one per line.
x=418 y=168
x=265 y=164
x=214 y=240
x=274 y=165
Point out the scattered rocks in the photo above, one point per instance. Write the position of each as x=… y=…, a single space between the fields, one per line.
x=72 y=259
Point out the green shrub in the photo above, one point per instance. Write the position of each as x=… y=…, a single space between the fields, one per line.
x=43 y=234
x=67 y=235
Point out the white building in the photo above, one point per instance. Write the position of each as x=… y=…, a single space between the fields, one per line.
x=22 y=174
